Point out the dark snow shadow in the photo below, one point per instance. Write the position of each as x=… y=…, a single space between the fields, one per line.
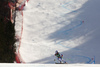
x=88 y=13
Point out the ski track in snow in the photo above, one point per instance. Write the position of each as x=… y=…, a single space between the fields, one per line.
x=42 y=24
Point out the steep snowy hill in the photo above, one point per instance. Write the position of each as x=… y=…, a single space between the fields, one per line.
x=69 y=26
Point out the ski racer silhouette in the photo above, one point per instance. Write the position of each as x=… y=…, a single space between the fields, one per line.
x=59 y=57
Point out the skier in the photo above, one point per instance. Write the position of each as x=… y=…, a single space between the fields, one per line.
x=59 y=57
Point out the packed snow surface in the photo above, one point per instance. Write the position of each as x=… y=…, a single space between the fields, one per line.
x=70 y=26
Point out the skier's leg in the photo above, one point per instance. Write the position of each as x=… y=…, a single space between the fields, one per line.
x=64 y=61
x=60 y=60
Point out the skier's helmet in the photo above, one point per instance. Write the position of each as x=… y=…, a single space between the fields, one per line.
x=56 y=51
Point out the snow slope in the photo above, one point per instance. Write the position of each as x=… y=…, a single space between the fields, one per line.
x=69 y=26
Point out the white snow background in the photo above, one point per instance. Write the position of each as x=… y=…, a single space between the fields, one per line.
x=50 y=25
